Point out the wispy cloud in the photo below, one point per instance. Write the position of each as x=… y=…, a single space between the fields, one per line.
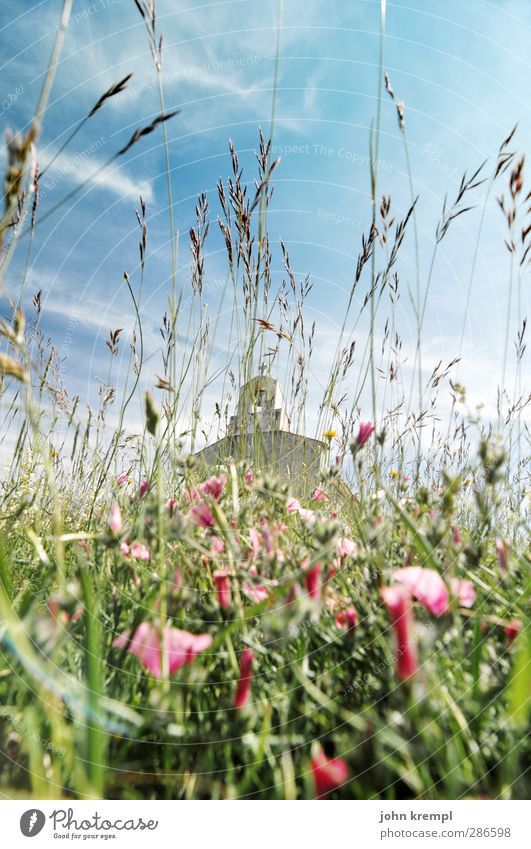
x=85 y=167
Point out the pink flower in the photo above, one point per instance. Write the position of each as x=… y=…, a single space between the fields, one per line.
x=512 y=629
x=307 y=516
x=346 y=547
x=121 y=480
x=144 y=488
x=217 y=545
x=347 y=618
x=503 y=550
x=255 y=538
x=171 y=506
x=115 y=519
x=201 y=514
x=292 y=505
x=398 y=603
x=319 y=495
x=364 y=433
x=256 y=592
x=139 y=551
x=427 y=586
x=332 y=570
x=124 y=548
x=213 y=486
x=243 y=688
x=267 y=538
x=249 y=476
x=222 y=582
x=464 y=592
x=180 y=646
x=328 y=773
x=312 y=579
x=456 y=535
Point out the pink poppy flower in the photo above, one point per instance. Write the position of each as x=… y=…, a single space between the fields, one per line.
x=180 y=646
x=121 y=480
x=139 y=551
x=347 y=618
x=144 y=488
x=201 y=514
x=243 y=688
x=503 y=550
x=249 y=476
x=365 y=432
x=318 y=495
x=222 y=582
x=115 y=519
x=328 y=773
x=213 y=486
x=427 y=586
x=124 y=548
x=512 y=629
x=398 y=603
x=464 y=592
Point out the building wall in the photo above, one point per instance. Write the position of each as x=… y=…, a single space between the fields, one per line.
x=285 y=454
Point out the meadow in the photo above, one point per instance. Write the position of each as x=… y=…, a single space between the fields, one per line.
x=174 y=632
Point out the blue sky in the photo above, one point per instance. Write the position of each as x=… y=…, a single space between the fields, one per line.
x=462 y=69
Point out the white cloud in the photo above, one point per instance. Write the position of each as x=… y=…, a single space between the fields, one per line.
x=83 y=167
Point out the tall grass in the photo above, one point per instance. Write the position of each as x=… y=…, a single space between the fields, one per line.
x=163 y=636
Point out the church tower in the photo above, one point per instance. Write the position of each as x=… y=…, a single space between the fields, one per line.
x=259 y=433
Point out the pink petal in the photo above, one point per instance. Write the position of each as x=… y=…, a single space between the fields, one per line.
x=328 y=773
x=365 y=432
x=292 y=505
x=307 y=516
x=346 y=547
x=115 y=519
x=217 y=545
x=121 y=641
x=213 y=486
x=256 y=592
x=254 y=536
x=427 y=586
x=146 y=646
x=201 y=514
x=464 y=592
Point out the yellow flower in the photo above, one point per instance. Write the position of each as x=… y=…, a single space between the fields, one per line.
x=394 y=474
x=329 y=434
